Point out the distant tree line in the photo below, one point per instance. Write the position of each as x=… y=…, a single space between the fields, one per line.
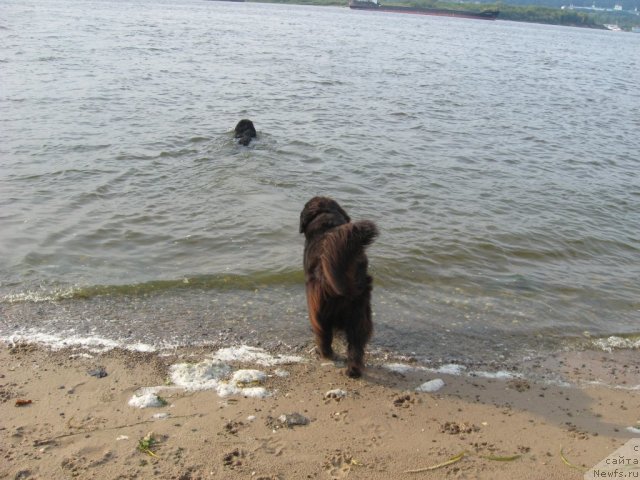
x=538 y=13
x=628 y=5
x=521 y=13
x=519 y=10
x=552 y=16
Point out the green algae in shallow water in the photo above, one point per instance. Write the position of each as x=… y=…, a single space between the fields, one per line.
x=212 y=282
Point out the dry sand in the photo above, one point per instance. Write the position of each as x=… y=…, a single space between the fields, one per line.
x=81 y=426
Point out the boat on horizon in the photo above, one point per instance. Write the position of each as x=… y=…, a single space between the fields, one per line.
x=486 y=14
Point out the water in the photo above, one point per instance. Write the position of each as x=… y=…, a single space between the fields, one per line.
x=500 y=161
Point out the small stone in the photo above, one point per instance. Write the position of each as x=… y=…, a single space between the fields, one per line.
x=293 y=419
x=99 y=372
x=336 y=394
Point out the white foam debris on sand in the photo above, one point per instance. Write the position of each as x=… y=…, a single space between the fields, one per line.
x=447 y=369
x=248 y=377
x=245 y=383
x=147 y=398
x=610 y=343
x=336 y=393
x=431 y=386
x=205 y=375
x=246 y=354
x=634 y=430
x=160 y=416
x=225 y=390
x=80 y=355
x=625 y=387
x=451 y=369
x=281 y=373
x=401 y=367
x=499 y=375
x=212 y=375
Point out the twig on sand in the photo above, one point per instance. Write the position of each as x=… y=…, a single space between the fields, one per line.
x=47 y=441
x=509 y=458
x=459 y=457
x=452 y=460
x=568 y=463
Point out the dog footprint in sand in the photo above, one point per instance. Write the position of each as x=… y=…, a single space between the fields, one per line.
x=404 y=401
x=234 y=458
x=373 y=434
x=340 y=416
x=272 y=446
x=338 y=465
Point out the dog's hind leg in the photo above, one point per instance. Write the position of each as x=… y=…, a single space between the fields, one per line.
x=322 y=331
x=358 y=333
x=355 y=357
x=324 y=339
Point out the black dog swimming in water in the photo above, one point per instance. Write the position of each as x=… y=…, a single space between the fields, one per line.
x=245 y=131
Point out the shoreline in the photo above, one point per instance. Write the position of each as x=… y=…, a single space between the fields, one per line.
x=167 y=322
x=551 y=364
x=81 y=425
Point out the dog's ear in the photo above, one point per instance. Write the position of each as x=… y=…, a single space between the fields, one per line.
x=308 y=213
x=342 y=212
x=311 y=210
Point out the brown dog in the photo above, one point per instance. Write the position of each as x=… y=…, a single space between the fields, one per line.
x=337 y=284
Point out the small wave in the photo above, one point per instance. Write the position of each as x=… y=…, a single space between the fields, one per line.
x=199 y=139
x=89 y=148
x=177 y=153
x=39 y=296
x=49 y=59
x=127 y=156
x=212 y=282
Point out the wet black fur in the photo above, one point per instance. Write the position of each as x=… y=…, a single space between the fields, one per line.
x=245 y=131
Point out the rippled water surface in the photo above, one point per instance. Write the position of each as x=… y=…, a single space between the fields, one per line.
x=500 y=161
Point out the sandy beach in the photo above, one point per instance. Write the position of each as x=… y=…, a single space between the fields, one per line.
x=71 y=414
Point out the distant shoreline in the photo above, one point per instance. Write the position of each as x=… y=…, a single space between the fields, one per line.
x=516 y=13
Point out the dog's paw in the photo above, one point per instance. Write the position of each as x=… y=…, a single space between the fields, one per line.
x=326 y=354
x=353 y=371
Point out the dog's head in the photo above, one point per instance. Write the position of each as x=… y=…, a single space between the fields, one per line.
x=245 y=131
x=245 y=128
x=326 y=211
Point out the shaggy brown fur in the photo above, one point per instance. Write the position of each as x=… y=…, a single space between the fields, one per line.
x=337 y=284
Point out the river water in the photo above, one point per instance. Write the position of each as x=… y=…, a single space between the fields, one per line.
x=500 y=161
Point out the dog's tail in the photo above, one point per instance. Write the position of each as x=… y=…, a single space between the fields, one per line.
x=342 y=245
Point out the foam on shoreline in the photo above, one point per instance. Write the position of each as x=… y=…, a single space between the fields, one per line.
x=91 y=343
x=615 y=342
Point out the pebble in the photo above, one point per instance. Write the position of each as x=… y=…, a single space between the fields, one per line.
x=293 y=419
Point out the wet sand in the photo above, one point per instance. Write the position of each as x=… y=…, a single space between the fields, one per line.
x=72 y=424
